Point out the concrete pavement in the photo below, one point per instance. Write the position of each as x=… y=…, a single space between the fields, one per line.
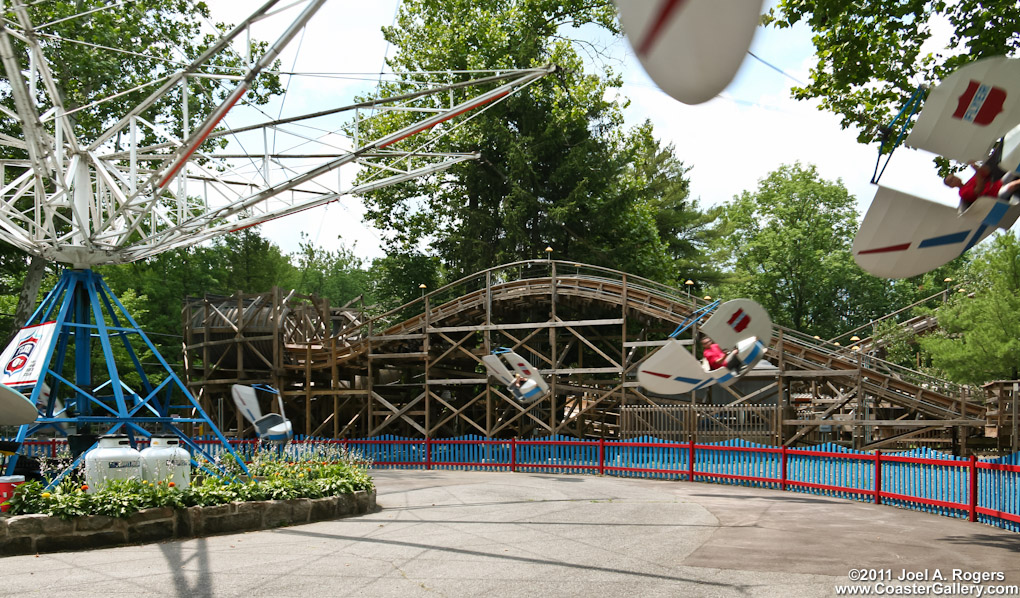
x=455 y=533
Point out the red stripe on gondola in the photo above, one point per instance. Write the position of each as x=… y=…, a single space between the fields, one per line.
x=666 y=10
x=656 y=374
x=886 y=249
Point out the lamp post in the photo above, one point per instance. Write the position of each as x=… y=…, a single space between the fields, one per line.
x=947 y=280
x=423 y=286
x=688 y=284
x=548 y=252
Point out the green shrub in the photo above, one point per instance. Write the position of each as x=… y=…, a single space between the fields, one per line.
x=313 y=475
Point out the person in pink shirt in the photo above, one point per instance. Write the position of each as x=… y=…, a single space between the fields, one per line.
x=714 y=357
x=988 y=181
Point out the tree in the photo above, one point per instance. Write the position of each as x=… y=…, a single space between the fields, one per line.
x=687 y=232
x=248 y=262
x=81 y=40
x=161 y=284
x=398 y=277
x=339 y=276
x=243 y=261
x=871 y=55
x=556 y=165
x=788 y=247
x=81 y=43
x=979 y=330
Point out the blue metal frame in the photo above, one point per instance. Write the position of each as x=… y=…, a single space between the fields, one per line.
x=699 y=313
x=912 y=104
x=83 y=303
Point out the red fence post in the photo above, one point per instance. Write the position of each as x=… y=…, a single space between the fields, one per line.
x=428 y=453
x=782 y=467
x=53 y=448
x=690 y=463
x=602 y=456
x=513 y=454
x=973 y=487
x=878 y=477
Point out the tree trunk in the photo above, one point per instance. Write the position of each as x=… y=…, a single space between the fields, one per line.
x=29 y=293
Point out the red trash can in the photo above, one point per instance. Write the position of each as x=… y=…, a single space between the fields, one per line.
x=7 y=484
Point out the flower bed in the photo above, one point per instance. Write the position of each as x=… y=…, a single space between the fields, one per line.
x=282 y=491
x=316 y=474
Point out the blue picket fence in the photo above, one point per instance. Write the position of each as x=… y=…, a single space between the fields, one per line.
x=922 y=479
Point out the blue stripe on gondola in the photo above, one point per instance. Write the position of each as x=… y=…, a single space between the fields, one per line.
x=703 y=383
x=996 y=214
x=944 y=240
x=993 y=218
x=973 y=240
x=687 y=380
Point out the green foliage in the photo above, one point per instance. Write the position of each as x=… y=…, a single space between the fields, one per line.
x=872 y=55
x=339 y=276
x=398 y=276
x=788 y=247
x=13 y=268
x=978 y=339
x=155 y=35
x=896 y=344
x=248 y=262
x=157 y=287
x=663 y=188
x=556 y=170
x=314 y=475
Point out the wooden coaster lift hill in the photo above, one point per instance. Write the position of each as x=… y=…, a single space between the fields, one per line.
x=417 y=371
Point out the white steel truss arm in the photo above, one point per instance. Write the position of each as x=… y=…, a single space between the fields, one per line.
x=112 y=201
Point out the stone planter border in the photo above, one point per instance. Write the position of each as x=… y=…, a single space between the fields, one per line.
x=32 y=534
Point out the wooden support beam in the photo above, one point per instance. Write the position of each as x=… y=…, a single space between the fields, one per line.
x=396 y=337
x=661 y=343
x=896 y=423
x=821 y=373
x=417 y=355
x=525 y=326
x=897 y=438
x=837 y=404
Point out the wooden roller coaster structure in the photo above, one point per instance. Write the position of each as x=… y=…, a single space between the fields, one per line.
x=416 y=370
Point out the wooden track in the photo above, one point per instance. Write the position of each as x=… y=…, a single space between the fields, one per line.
x=801 y=354
x=416 y=370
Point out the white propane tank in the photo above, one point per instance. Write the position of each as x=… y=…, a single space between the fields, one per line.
x=165 y=460
x=112 y=459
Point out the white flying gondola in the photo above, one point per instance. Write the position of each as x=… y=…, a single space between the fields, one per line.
x=692 y=49
x=969 y=110
x=904 y=235
x=271 y=427
x=525 y=384
x=15 y=408
x=740 y=324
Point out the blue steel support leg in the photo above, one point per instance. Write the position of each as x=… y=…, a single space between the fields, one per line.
x=82 y=349
x=85 y=301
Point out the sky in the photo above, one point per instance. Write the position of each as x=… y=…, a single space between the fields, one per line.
x=731 y=141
